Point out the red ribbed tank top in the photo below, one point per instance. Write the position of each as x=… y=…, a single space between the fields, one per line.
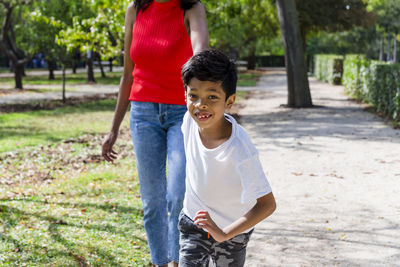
x=160 y=46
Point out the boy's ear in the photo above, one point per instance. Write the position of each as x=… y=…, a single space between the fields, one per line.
x=229 y=102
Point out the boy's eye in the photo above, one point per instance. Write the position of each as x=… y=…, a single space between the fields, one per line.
x=212 y=97
x=191 y=96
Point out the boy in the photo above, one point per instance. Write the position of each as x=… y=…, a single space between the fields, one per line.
x=227 y=192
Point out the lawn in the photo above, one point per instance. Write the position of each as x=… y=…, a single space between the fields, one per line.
x=60 y=203
x=248 y=78
x=112 y=78
x=18 y=130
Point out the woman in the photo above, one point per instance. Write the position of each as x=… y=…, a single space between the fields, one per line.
x=162 y=36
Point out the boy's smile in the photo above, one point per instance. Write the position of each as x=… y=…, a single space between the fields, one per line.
x=206 y=102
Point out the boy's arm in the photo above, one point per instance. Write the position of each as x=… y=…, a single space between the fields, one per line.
x=264 y=207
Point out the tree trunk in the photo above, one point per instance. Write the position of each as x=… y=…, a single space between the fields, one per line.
x=63 y=85
x=297 y=80
x=74 y=66
x=89 y=68
x=251 y=59
x=388 y=57
x=381 y=49
x=51 y=64
x=110 y=64
x=395 y=48
x=18 y=73
x=103 y=75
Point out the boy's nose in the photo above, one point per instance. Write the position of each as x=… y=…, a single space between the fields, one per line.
x=201 y=103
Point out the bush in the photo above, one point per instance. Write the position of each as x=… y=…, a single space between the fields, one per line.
x=355 y=68
x=328 y=68
x=374 y=82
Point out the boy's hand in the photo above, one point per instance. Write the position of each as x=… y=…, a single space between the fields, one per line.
x=203 y=220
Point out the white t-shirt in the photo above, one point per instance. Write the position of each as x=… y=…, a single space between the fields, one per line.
x=225 y=181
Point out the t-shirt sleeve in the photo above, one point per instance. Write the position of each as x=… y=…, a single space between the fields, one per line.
x=253 y=180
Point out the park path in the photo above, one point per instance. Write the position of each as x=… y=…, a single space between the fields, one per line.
x=334 y=170
x=335 y=174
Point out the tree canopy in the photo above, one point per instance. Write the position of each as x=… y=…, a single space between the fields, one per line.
x=238 y=26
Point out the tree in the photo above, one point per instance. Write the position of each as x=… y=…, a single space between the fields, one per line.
x=8 y=43
x=388 y=23
x=238 y=26
x=297 y=80
x=332 y=15
x=98 y=30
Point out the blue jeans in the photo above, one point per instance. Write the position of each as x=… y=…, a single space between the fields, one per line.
x=156 y=134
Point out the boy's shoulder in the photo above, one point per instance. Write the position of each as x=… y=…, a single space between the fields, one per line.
x=241 y=141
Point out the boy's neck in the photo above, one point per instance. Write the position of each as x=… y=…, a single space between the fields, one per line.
x=215 y=136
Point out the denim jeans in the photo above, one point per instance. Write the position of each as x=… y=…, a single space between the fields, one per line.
x=156 y=135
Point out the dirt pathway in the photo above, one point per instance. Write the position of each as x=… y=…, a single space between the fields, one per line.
x=335 y=173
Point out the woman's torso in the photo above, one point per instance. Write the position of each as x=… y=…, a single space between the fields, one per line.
x=160 y=46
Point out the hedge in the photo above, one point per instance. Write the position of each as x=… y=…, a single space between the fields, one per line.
x=328 y=68
x=374 y=82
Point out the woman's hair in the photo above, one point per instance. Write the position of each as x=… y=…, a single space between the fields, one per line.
x=214 y=66
x=143 y=4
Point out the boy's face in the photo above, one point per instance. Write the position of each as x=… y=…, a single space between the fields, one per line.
x=206 y=102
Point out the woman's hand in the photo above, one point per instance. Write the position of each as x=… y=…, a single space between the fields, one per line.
x=203 y=220
x=107 y=152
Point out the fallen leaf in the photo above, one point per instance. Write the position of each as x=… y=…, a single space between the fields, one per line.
x=297 y=173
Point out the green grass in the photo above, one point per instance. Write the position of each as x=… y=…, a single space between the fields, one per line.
x=248 y=79
x=60 y=205
x=18 y=130
x=93 y=219
x=113 y=78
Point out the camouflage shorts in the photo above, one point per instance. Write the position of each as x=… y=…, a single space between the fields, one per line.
x=197 y=249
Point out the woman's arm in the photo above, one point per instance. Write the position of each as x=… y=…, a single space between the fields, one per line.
x=264 y=207
x=196 y=24
x=124 y=88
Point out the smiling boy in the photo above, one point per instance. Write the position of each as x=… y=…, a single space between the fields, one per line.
x=227 y=192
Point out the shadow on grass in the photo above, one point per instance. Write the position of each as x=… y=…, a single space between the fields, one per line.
x=34 y=133
x=12 y=218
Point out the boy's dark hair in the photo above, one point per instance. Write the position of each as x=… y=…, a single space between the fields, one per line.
x=214 y=66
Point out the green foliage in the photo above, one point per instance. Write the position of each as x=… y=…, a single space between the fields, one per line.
x=377 y=83
x=354 y=69
x=357 y=41
x=332 y=15
x=100 y=28
x=242 y=27
x=388 y=13
x=328 y=68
